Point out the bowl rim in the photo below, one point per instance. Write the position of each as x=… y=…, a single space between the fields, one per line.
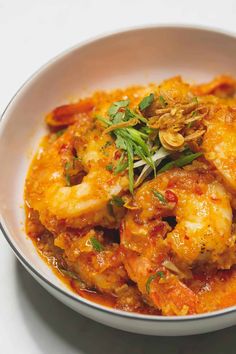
x=7 y=235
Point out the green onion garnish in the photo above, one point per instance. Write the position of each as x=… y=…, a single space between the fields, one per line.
x=118 y=201
x=60 y=132
x=163 y=101
x=109 y=167
x=97 y=246
x=180 y=162
x=159 y=196
x=114 y=108
x=151 y=278
x=146 y=102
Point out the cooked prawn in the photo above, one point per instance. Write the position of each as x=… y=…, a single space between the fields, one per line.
x=178 y=236
x=201 y=237
x=219 y=143
x=82 y=152
x=223 y=86
x=98 y=267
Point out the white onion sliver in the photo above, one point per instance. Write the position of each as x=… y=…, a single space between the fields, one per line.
x=157 y=157
x=159 y=154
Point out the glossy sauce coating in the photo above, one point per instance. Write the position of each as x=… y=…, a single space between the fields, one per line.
x=170 y=255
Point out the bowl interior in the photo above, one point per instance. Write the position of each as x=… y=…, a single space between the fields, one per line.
x=127 y=58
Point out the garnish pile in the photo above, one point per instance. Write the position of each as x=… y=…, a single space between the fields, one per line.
x=155 y=136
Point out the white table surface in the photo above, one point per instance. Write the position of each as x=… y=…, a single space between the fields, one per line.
x=31 y=32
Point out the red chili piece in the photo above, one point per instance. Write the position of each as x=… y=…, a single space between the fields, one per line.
x=171 y=196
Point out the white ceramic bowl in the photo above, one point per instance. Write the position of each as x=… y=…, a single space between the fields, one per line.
x=117 y=60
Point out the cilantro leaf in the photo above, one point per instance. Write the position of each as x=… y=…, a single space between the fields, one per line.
x=114 y=108
x=146 y=102
x=121 y=165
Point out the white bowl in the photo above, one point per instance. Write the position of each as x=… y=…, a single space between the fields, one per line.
x=117 y=60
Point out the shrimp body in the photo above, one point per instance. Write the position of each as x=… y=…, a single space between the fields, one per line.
x=81 y=152
x=100 y=269
x=176 y=250
x=201 y=237
x=219 y=144
x=204 y=218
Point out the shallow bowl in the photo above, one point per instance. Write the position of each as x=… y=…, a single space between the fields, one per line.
x=120 y=59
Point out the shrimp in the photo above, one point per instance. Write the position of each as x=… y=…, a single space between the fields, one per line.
x=167 y=254
x=215 y=290
x=222 y=86
x=72 y=183
x=219 y=143
x=219 y=140
x=94 y=258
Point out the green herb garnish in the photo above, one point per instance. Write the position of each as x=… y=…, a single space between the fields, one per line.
x=60 y=132
x=163 y=102
x=194 y=113
x=114 y=108
x=130 y=139
x=118 y=201
x=180 y=162
x=130 y=154
x=190 y=124
x=97 y=246
x=146 y=102
x=69 y=273
x=159 y=196
x=121 y=165
x=195 y=100
x=138 y=142
x=129 y=114
x=109 y=167
x=107 y=143
x=72 y=275
x=151 y=278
